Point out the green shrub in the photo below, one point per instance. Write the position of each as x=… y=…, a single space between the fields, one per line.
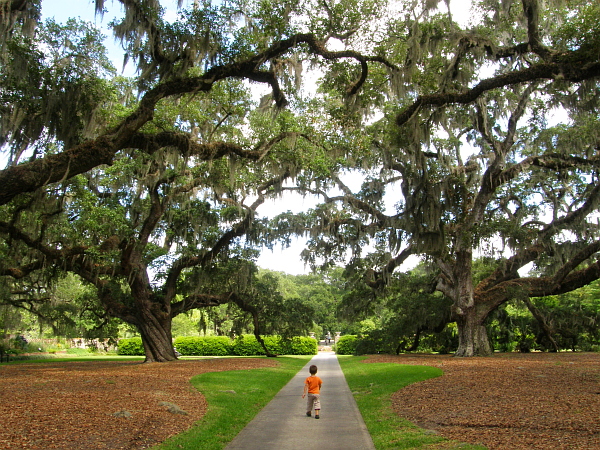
x=300 y=345
x=246 y=345
x=203 y=346
x=346 y=345
x=274 y=344
x=131 y=347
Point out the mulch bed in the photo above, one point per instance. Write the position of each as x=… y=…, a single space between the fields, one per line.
x=102 y=405
x=509 y=401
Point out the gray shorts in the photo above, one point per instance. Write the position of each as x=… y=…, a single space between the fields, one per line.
x=313 y=401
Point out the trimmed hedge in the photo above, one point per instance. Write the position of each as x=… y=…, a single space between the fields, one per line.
x=300 y=345
x=245 y=345
x=346 y=345
x=130 y=347
x=203 y=346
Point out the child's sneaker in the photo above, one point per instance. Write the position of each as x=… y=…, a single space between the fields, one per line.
x=308 y=414
x=316 y=416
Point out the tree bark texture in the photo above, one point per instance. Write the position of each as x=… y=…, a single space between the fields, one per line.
x=155 y=330
x=472 y=335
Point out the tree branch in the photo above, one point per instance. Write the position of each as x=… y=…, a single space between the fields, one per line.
x=570 y=67
x=237 y=230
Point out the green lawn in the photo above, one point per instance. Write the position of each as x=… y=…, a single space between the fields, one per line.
x=228 y=413
x=373 y=385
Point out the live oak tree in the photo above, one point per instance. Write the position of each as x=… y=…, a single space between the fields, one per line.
x=474 y=154
x=151 y=248
x=117 y=180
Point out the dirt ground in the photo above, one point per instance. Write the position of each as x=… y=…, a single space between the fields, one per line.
x=508 y=402
x=102 y=405
x=535 y=401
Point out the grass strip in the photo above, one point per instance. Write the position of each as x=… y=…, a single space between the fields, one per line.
x=373 y=385
x=234 y=398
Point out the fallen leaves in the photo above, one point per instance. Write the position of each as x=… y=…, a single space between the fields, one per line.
x=532 y=401
x=72 y=405
x=508 y=402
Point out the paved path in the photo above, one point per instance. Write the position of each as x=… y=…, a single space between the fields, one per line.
x=283 y=424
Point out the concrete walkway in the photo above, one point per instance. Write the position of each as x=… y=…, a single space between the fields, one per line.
x=283 y=424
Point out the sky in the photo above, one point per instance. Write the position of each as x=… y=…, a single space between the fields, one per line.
x=283 y=260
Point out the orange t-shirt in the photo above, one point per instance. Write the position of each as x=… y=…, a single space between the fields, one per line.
x=314 y=384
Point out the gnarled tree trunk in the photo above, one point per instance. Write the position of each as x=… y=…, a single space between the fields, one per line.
x=469 y=311
x=155 y=329
x=472 y=334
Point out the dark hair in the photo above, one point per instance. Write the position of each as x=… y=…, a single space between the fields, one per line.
x=312 y=369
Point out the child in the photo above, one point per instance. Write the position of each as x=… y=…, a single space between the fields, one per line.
x=312 y=386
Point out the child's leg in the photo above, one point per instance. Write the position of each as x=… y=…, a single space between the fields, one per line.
x=317 y=405
x=309 y=403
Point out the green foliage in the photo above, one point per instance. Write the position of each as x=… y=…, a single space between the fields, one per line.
x=247 y=345
x=58 y=93
x=203 y=346
x=299 y=345
x=406 y=315
x=131 y=347
x=572 y=318
x=346 y=345
x=582 y=31
x=244 y=345
x=373 y=342
x=78 y=351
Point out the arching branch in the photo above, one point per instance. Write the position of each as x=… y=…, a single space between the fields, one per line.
x=237 y=230
x=570 y=68
x=102 y=150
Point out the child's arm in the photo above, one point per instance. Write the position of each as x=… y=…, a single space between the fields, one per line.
x=305 y=390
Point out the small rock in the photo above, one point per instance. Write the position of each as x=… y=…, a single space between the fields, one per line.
x=173 y=408
x=122 y=413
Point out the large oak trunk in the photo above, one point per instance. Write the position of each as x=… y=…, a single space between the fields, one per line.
x=155 y=329
x=472 y=334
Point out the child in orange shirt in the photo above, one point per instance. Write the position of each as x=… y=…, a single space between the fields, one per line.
x=312 y=387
